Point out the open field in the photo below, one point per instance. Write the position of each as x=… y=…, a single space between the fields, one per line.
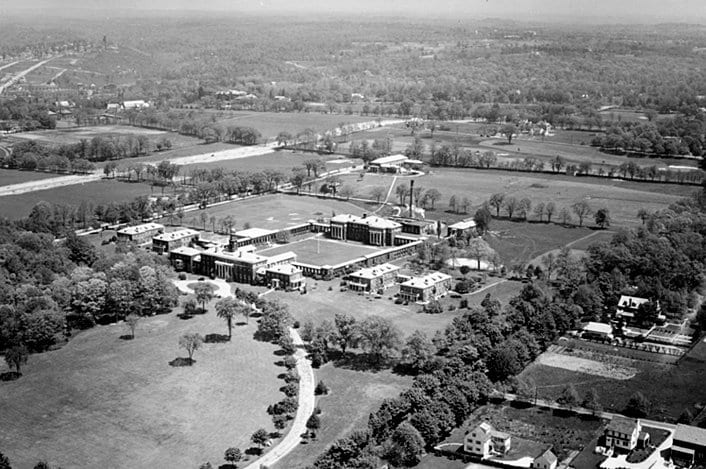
x=275 y=211
x=479 y=185
x=15 y=176
x=354 y=395
x=281 y=160
x=76 y=134
x=272 y=123
x=96 y=192
x=322 y=251
x=105 y=402
x=671 y=388
x=520 y=242
x=323 y=299
x=586 y=365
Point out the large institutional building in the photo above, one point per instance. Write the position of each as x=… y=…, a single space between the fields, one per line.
x=371 y=230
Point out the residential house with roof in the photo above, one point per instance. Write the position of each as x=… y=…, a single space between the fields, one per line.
x=546 y=460
x=427 y=288
x=628 y=306
x=689 y=445
x=372 y=279
x=624 y=433
x=371 y=230
x=484 y=440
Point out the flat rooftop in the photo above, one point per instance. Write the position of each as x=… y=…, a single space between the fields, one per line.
x=427 y=280
x=253 y=233
x=174 y=235
x=137 y=229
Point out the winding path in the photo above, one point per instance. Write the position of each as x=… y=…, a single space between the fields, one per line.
x=307 y=402
x=307 y=399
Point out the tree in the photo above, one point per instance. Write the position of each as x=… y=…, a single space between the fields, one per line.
x=550 y=209
x=479 y=249
x=508 y=130
x=191 y=343
x=283 y=138
x=4 y=462
x=482 y=217
x=602 y=217
x=131 y=321
x=432 y=195
x=496 y=201
x=346 y=192
x=643 y=215
x=204 y=293
x=511 y=206
x=232 y=456
x=313 y=422
x=582 y=210
x=524 y=207
x=591 y=401
x=226 y=309
x=346 y=330
x=565 y=216
x=539 y=211
x=203 y=216
x=401 y=191
x=378 y=193
x=16 y=356
x=406 y=446
x=379 y=337
x=452 y=203
x=418 y=350
x=638 y=406
x=260 y=437
x=569 y=397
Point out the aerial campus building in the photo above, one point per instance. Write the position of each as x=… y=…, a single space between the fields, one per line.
x=372 y=230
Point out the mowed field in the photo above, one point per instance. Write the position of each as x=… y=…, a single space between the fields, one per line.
x=283 y=161
x=354 y=395
x=272 y=123
x=76 y=134
x=105 y=402
x=322 y=251
x=275 y=211
x=479 y=185
x=15 y=176
x=97 y=192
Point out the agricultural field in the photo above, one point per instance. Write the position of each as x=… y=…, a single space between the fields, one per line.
x=274 y=211
x=15 y=176
x=322 y=251
x=96 y=192
x=354 y=396
x=671 y=385
x=272 y=123
x=84 y=404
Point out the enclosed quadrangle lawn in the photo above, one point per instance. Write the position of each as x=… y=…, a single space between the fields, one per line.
x=105 y=402
x=322 y=251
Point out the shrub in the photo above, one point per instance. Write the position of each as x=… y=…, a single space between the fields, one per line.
x=291 y=377
x=321 y=388
x=290 y=389
x=182 y=276
x=296 y=325
x=290 y=362
x=314 y=422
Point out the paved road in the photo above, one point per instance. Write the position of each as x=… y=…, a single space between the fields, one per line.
x=307 y=402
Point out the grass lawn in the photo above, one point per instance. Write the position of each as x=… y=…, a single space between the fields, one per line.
x=272 y=123
x=105 y=402
x=479 y=185
x=281 y=160
x=520 y=242
x=274 y=211
x=96 y=192
x=354 y=395
x=322 y=251
x=15 y=176
x=320 y=303
x=670 y=388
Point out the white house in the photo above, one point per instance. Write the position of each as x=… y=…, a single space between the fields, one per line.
x=484 y=440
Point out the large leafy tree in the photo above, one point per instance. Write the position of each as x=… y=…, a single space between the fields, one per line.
x=227 y=309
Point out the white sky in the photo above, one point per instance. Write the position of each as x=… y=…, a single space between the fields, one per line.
x=693 y=11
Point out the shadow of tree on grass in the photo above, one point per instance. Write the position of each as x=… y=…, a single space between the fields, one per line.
x=181 y=361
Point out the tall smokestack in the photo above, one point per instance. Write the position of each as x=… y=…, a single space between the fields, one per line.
x=411 y=198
